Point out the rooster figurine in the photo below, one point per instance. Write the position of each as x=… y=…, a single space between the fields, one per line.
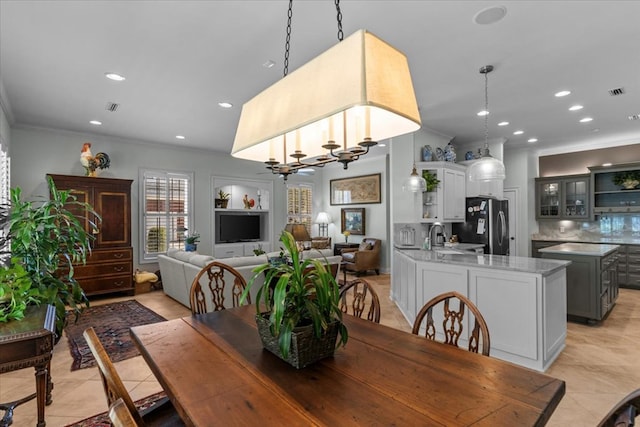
x=91 y=162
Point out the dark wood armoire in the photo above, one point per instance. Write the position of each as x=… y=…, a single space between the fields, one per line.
x=109 y=268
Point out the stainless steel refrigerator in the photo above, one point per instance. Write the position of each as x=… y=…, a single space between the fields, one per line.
x=486 y=221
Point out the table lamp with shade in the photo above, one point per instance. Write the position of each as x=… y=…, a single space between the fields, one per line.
x=300 y=234
x=323 y=220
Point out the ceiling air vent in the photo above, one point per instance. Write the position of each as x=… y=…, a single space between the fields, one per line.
x=634 y=117
x=617 y=91
x=112 y=106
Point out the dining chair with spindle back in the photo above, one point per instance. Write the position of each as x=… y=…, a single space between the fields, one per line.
x=356 y=296
x=453 y=323
x=216 y=275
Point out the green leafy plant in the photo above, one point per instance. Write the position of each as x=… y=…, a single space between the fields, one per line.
x=16 y=292
x=48 y=237
x=297 y=293
x=432 y=180
x=258 y=251
x=222 y=195
x=621 y=178
x=192 y=238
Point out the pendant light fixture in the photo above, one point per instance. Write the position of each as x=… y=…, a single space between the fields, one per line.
x=414 y=183
x=332 y=109
x=487 y=167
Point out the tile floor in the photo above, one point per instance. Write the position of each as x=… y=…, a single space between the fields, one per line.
x=601 y=364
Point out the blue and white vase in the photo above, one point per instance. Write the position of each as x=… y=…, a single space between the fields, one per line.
x=427 y=153
x=450 y=153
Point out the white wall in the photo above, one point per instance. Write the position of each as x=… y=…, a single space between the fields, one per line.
x=376 y=225
x=36 y=152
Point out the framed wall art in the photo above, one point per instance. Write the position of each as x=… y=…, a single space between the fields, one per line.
x=355 y=190
x=353 y=220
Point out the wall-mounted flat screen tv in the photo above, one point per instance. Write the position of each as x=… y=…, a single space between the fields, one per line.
x=238 y=228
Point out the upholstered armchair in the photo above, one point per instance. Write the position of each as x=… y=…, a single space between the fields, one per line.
x=363 y=258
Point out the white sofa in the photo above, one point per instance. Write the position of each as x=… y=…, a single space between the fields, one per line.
x=179 y=268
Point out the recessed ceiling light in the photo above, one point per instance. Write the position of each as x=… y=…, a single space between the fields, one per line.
x=503 y=123
x=225 y=104
x=562 y=93
x=490 y=15
x=482 y=113
x=268 y=64
x=95 y=122
x=532 y=140
x=382 y=145
x=586 y=120
x=576 y=107
x=518 y=132
x=179 y=136
x=606 y=164
x=114 y=76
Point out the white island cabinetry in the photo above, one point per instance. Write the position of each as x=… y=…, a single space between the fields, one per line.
x=522 y=300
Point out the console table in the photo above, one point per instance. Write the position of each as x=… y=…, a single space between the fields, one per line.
x=29 y=343
x=338 y=247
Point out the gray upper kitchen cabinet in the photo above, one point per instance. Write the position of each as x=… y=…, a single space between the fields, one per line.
x=563 y=197
x=612 y=196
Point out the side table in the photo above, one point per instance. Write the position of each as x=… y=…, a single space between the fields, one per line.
x=26 y=343
x=338 y=247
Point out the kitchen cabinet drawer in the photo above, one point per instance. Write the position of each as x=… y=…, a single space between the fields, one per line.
x=103 y=269
x=102 y=285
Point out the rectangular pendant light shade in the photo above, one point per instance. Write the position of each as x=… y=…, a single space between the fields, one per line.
x=361 y=80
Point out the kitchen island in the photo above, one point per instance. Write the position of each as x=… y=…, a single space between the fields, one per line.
x=592 y=284
x=523 y=300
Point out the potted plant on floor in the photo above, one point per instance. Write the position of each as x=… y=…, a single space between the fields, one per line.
x=297 y=308
x=48 y=240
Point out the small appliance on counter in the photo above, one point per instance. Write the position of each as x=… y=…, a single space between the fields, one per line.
x=407 y=236
x=486 y=222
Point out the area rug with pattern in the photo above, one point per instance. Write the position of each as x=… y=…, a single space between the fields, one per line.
x=102 y=419
x=111 y=323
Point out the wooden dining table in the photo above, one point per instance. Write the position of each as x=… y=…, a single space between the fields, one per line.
x=216 y=372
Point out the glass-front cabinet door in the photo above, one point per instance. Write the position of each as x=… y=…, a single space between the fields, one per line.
x=563 y=197
x=547 y=198
x=575 y=199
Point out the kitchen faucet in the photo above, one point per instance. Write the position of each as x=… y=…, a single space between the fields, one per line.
x=444 y=234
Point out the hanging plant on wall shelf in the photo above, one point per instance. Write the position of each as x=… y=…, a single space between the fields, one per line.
x=627 y=179
x=432 y=180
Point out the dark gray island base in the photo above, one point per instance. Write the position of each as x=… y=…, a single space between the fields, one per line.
x=592 y=284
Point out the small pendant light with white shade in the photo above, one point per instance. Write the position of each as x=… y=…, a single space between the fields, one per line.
x=414 y=183
x=487 y=167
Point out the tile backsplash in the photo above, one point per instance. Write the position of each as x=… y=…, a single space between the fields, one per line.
x=606 y=226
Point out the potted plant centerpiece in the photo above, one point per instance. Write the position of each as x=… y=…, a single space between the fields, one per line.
x=627 y=179
x=297 y=308
x=48 y=238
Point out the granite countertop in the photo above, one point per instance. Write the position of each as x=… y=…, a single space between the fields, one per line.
x=623 y=240
x=588 y=249
x=496 y=262
x=456 y=246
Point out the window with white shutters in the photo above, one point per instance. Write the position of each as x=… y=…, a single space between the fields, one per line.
x=300 y=205
x=167 y=200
